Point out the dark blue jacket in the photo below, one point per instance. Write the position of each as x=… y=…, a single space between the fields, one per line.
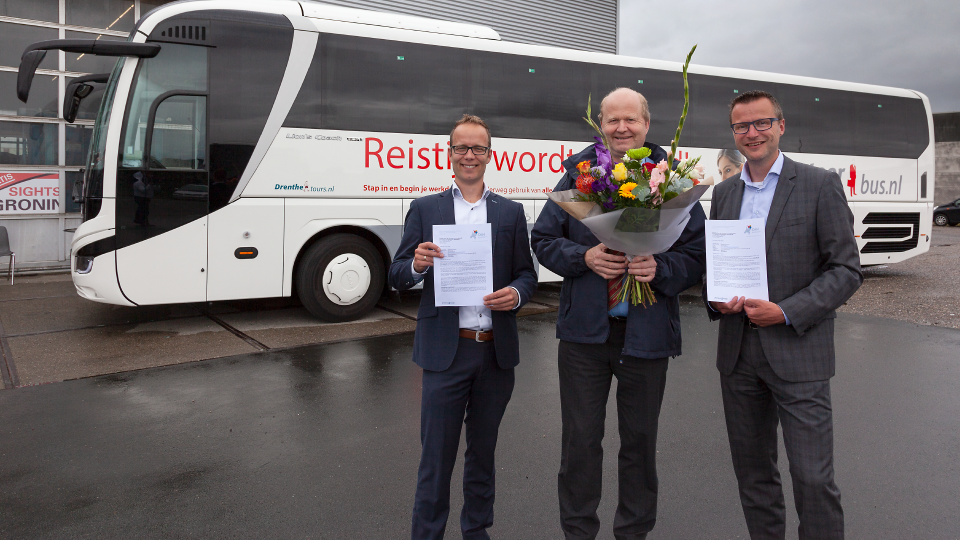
x=437 y=335
x=560 y=242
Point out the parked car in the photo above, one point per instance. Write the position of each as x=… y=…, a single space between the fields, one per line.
x=947 y=214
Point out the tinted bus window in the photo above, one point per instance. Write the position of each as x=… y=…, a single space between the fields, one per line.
x=377 y=85
x=366 y=84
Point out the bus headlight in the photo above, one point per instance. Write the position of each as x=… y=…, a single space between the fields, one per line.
x=84 y=264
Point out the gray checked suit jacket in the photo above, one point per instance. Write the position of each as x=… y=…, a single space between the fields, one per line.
x=813 y=267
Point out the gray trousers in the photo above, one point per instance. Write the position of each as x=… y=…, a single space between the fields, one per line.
x=755 y=400
x=586 y=371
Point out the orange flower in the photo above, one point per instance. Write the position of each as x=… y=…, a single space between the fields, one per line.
x=583 y=167
x=585 y=183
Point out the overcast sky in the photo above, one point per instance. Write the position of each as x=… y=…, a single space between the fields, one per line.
x=905 y=44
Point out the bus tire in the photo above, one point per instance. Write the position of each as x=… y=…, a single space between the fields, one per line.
x=340 y=278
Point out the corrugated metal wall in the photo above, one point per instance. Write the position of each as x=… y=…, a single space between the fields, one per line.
x=572 y=24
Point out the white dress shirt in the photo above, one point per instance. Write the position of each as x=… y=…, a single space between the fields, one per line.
x=467 y=213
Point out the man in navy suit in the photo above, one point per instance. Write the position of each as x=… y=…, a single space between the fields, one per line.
x=467 y=353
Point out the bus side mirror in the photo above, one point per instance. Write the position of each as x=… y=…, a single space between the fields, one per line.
x=76 y=91
x=28 y=68
x=34 y=54
x=71 y=102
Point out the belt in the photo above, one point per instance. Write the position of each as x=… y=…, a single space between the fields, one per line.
x=617 y=320
x=477 y=334
x=750 y=325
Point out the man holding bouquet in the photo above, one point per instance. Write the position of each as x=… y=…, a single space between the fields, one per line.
x=602 y=337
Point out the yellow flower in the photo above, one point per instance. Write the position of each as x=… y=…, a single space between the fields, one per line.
x=626 y=190
x=620 y=172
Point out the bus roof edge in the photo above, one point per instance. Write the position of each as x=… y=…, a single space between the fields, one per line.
x=318 y=10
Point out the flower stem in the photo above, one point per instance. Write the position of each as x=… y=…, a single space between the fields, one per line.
x=686 y=105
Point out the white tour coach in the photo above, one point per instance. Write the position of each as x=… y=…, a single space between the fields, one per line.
x=249 y=149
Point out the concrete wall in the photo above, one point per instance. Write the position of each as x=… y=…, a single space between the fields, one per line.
x=947 y=185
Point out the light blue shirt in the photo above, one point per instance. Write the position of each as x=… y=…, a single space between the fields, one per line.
x=758 y=196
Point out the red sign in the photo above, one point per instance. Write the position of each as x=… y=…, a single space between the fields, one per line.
x=29 y=193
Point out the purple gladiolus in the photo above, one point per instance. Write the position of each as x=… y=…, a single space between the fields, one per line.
x=603 y=156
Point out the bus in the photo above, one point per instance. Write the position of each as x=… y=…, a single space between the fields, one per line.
x=253 y=149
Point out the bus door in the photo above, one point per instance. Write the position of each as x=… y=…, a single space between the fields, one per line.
x=163 y=181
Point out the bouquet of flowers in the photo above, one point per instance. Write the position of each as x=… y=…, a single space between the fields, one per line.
x=638 y=207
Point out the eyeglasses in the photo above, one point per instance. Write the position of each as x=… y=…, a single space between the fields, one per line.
x=477 y=150
x=762 y=124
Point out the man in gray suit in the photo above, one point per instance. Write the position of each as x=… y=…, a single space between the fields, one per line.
x=776 y=358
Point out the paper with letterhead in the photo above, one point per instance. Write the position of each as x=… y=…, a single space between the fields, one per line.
x=464 y=275
x=736 y=259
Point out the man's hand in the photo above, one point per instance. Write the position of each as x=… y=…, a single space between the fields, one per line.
x=503 y=300
x=423 y=256
x=763 y=313
x=735 y=305
x=604 y=264
x=643 y=267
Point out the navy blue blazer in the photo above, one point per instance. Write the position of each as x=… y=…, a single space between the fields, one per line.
x=437 y=336
x=560 y=242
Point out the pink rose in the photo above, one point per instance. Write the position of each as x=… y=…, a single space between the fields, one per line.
x=656 y=178
x=662 y=166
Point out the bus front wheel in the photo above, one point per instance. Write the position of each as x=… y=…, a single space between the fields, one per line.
x=340 y=278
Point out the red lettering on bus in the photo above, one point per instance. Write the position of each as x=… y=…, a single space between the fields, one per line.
x=504 y=158
x=533 y=162
x=542 y=155
x=550 y=162
x=375 y=153
x=392 y=156
x=436 y=153
x=426 y=159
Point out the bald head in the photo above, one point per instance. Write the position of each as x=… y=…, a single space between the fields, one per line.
x=624 y=121
x=623 y=98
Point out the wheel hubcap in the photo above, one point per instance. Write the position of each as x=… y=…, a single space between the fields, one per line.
x=941 y=220
x=346 y=279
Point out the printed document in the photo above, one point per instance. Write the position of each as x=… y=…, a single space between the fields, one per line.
x=465 y=273
x=736 y=259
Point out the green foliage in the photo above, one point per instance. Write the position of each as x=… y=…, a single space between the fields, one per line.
x=639 y=220
x=638 y=153
x=641 y=192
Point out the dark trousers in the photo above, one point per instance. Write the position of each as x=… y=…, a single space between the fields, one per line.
x=586 y=372
x=475 y=387
x=755 y=400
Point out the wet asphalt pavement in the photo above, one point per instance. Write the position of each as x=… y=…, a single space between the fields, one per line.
x=323 y=442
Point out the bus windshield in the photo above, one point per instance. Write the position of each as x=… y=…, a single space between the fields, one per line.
x=93 y=181
x=177 y=67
